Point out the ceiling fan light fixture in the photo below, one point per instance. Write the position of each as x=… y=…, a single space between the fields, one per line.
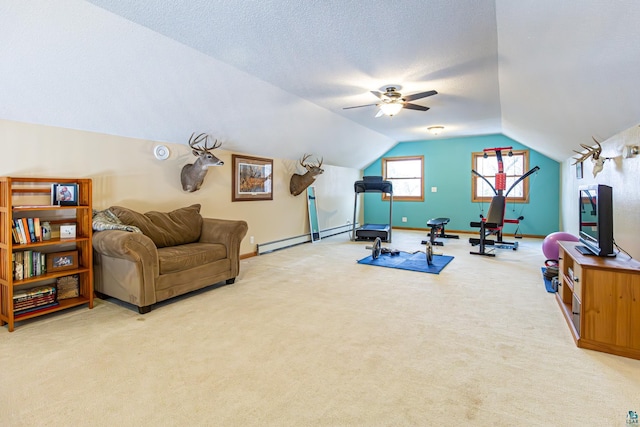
x=390 y=108
x=435 y=130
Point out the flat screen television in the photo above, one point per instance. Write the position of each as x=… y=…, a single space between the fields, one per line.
x=596 y=220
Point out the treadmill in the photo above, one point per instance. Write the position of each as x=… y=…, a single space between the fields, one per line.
x=372 y=184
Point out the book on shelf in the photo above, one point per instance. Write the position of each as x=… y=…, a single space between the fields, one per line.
x=38 y=291
x=38 y=229
x=27 y=264
x=32 y=230
x=36 y=309
x=20 y=230
x=18 y=267
x=34 y=302
x=25 y=228
x=14 y=233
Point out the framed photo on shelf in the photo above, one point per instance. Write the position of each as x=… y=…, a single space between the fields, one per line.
x=64 y=194
x=68 y=231
x=59 y=261
x=252 y=178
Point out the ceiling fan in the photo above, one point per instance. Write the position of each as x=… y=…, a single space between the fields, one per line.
x=392 y=101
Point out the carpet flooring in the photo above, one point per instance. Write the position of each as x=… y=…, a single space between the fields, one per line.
x=309 y=337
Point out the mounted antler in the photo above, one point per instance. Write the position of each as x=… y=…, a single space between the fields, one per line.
x=197 y=150
x=299 y=182
x=593 y=152
x=192 y=175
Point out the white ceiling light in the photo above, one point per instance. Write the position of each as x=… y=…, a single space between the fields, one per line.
x=435 y=130
x=390 y=108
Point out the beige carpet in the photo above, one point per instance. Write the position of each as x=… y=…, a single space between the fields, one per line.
x=308 y=337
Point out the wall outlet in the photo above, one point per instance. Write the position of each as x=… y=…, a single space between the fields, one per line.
x=404 y=219
x=434 y=189
x=252 y=240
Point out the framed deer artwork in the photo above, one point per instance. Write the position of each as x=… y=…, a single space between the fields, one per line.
x=251 y=179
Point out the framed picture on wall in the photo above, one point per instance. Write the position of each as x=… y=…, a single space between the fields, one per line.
x=252 y=178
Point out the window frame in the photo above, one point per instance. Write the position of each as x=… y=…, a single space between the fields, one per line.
x=476 y=179
x=420 y=198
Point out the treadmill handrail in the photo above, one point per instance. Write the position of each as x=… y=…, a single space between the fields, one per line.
x=367 y=186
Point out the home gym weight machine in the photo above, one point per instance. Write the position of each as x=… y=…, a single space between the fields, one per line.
x=493 y=223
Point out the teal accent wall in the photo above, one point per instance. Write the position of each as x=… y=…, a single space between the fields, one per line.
x=447 y=164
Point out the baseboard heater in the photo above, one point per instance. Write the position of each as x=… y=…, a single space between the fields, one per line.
x=264 y=248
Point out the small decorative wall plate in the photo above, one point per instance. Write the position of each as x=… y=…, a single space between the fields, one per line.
x=161 y=152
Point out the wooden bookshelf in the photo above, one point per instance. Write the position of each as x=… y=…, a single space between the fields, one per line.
x=22 y=197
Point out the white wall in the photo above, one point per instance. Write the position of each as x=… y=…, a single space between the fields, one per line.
x=125 y=172
x=621 y=174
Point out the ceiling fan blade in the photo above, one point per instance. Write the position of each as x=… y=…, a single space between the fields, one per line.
x=415 y=107
x=358 y=106
x=380 y=114
x=420 y=95
x=376 y=93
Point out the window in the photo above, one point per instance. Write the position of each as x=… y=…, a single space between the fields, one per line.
x=406 y=174
x=514 y=167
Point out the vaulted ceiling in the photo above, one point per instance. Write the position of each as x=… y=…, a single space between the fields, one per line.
x=272 y=77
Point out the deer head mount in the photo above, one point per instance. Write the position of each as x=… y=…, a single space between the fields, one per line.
x=595 y=154
x=298 y=182
x=193 y=174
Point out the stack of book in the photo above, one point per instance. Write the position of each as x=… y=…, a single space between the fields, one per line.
x=28 y=264
x=26 y=230
x=34 y=299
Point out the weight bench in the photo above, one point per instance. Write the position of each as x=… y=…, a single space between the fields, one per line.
x=492 y=225
x=437 y=226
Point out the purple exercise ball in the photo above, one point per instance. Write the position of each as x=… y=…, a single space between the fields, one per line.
x=550 y=243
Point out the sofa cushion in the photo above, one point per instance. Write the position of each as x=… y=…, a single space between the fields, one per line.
x=165 y=229
x=185 y=257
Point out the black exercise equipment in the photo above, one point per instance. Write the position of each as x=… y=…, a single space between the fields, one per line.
x=377 y=249
x=372 y=231
x=495 y=220
x=437 y=230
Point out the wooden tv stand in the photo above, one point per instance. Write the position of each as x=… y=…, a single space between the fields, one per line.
x=600 y=300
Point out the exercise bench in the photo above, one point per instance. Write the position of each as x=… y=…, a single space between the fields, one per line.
x=492 y=225
x=437 y=230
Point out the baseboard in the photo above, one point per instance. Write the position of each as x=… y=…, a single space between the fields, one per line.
x=249 y=255
x=263 y=248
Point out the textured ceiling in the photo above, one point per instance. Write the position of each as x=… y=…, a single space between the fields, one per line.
x=272 y=77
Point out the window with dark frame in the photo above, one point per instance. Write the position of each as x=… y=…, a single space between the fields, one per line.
x=407 y=176
x=514 y=167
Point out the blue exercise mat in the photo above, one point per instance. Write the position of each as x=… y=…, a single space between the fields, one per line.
x=406 y=261
x=547 y=283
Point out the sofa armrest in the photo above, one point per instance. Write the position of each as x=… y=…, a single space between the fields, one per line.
x=126 y=266
x=228 y=232
x=134 y=247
